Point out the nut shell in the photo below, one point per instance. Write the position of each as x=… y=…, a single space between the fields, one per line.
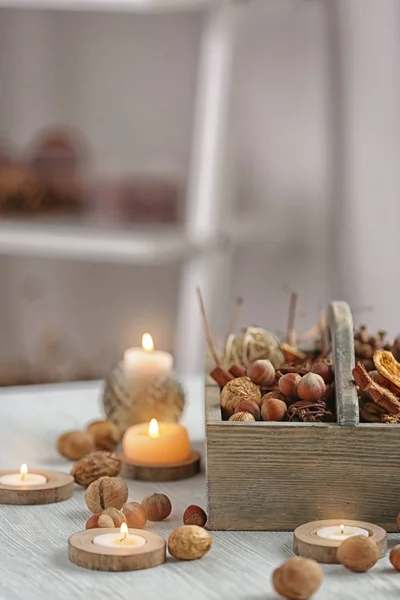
x=157 y=507
x=298 y=578
x=288 y=383
x=250 y=407
x=244 y=417
x=358 y=553
x=236 y=390
x=394 y=557
x=261 y=372
x=106 y=492
x=194 y=515
x=189 y=542
x=273 y=410
x=105 y=434
x=93 y=521
x=135 y=515
x=324 y=369
x=111 y=517
x=75 y=444
x=95 y=465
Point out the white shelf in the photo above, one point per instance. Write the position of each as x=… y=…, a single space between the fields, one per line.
x=138 y=6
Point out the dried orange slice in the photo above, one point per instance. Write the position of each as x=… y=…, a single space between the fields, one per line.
x=387 y=366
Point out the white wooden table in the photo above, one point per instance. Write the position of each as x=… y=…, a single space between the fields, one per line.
x=33 y=540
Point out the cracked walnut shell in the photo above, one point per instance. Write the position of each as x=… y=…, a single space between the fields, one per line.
x=189 y=542
x=95 y=465
x=387 y=366
x=236 y=390
x=106 y=492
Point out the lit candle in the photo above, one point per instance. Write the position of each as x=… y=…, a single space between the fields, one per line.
x=147 y=362
x=23 y=478
x=340 y=532
x=156 y=443
x=121 y=539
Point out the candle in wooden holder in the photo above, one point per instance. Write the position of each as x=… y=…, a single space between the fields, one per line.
x=321 y=539
x=158 y=452
x=36 y=487
x=112 y=549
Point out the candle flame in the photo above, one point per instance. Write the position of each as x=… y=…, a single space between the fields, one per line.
x=124 y=531
x=147 y=342
x=153 y=428
x=342 y=529
x=23 y=470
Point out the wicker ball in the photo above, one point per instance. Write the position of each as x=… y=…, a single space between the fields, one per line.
x=129 y=401
x=254 y=344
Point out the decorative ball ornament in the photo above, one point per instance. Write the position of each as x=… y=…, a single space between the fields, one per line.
x=130 y=400
x=254 y=344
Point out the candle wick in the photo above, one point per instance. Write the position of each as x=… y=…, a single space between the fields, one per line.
x=123 y=537
x=23 y=476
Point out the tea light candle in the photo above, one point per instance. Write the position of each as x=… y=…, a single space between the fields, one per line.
x=23 y=478
x=123 y=539
x=147 y=362
x=156 y=443
x=341 y=532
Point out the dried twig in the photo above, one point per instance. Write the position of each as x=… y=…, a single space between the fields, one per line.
x=207 y=330
x=291 y=332
x=235 y=316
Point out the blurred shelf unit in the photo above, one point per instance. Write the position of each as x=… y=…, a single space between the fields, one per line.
x=139 y=6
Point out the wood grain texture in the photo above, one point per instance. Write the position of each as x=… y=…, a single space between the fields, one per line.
x=34 y=561
x=84 y=553
x=173 y=472
x=59 y=487
x=340 y=325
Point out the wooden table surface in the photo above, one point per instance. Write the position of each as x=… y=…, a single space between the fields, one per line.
x=33 y=540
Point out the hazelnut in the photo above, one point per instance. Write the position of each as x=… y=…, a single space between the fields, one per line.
x=358 y=553
x=75 y=444
x=324 y=369
x=105 y=434
x=250 y=407
x=298 y=578
x=157 y=507
x=288 y=383
x=135 y=515
x=111 y=517
x=106 y=492
x=95 y=465
x=261 y=372
x=194 y=515
x=273 y=410
x=311 y=387
x=394 y=557
x=245 y=417
x=189 y=542
x=93 y=521
x=236 y=390
x=276 y=394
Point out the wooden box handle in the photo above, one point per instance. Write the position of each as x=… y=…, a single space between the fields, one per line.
x=340 y=331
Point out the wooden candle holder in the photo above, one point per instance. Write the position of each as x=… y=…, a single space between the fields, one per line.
x=157 y=472
x=58 y=487
x=308 y=544
x=83 y=553
x=300 y=472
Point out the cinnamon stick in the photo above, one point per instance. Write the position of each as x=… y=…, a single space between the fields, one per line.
x=379 y=394
x=221 y=376
x=291 y=333
x=235 y=316
x=237 y=371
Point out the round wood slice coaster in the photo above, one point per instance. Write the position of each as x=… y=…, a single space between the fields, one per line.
x=58 y=487
x=308 y=544
x=170 y=472
x=84 y=553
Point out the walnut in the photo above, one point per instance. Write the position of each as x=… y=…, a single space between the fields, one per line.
x=75 y=444
x=189 y=542
x=105 y=434
x=95 y=465
x=236 y=390
x=106 y=492
x=242 y=416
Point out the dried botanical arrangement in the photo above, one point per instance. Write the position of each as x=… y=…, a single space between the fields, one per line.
x=263 y=378
x=379 y=389
x=365 y=344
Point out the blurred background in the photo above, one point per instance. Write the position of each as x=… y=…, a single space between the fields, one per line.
x=103 y=231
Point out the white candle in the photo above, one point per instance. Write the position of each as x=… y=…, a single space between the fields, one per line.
x=121 y=539
x=341 y=532
x=147 y=362
x=23 y=478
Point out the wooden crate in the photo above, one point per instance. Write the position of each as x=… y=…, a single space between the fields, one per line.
x=276 y=476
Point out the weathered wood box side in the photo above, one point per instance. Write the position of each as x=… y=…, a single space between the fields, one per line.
x=276 y=476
